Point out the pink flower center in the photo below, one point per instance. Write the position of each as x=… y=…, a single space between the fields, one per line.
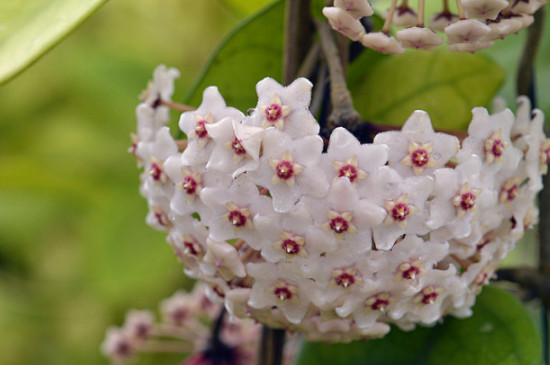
x=400 y=212
x=498 y=148
x=380 y=304
x=339 y=225
x=345 y=280
x=179 y=316
x=467 y=200
x=481 y=278
x=290 y=247
x=189 y=185
x=429 y=298
x=142 y=331
x=134 y=148
x=156 y=171
x=236 y=218
x=161 y=218
x=237 y=147
x=216 y=289
x=481 y=245
x=123 y=349
x=200 y=129
x=283 y=293
x=411 y=273
x=420 y=157
x=545 y=156
x=512 y=192
x=273 y=112
x=285 y=170
x=348 y=171
x=191 y=248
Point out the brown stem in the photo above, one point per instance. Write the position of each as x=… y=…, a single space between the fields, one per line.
x=308 y=65
x=319 y=89
x=525 y=69
x=389 y=19
x=536 y=282
x=461 y=11
x=177 y=106
x=298 y=26
x=343 y=113
x=420 y=13
x=544 y=226
x=215 y=339
x=182 y=144
x=271 y=346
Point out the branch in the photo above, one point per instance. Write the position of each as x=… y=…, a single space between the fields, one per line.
x=343 y=113
x=310 y=61
x=271 y=346
x=215 y=341
x=537 y=283
x=525 y=74
x=298 y=25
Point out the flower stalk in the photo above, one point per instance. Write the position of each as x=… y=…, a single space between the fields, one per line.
x=271 y=346
x=343 y=113
x=525 y=74
x=298 y=26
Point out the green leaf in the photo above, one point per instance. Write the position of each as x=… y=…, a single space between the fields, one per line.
x=29 y=28
x=252 y=51
x=446 y=85
x=500 y=333
x=246 y=7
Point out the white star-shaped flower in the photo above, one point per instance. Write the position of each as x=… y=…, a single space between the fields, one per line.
x=484 y=140
x=344 y=22
x=484 y=9
x=347 y=157
x=231 y=211
x=417 y=149
x=222 y=258
x=282 y=286
x=356 y=8
x=289 y=169
x=285 y=108
x=288 y=237
x=237 y=147
x=419 y=38
x=194 y=124
x=382 y=42
x=466 y=31
x=346 y=219
x=404 y=202
x=458 y=195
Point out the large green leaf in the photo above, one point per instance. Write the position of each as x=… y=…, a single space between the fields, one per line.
x=446 y=85
x=252 y=51
x=500 y=333
x=246 y=7
x=29 y=28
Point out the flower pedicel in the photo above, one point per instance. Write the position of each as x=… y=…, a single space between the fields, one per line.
x=476 y=26
x=337 y=244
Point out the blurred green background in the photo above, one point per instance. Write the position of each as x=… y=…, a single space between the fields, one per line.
x=75 y=252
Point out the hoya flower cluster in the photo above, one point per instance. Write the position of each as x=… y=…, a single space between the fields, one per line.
x=476 y=25
x=185 y=327
x=342 y=243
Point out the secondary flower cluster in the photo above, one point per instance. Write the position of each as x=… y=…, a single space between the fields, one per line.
x=477 y=24
x=187 y=319
x=342 y=243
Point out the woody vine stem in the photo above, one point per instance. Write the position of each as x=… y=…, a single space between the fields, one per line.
x=297 y=40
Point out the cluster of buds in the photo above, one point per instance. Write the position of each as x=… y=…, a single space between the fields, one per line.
x=476 y=25
x=187 y=320
x=342 y=243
